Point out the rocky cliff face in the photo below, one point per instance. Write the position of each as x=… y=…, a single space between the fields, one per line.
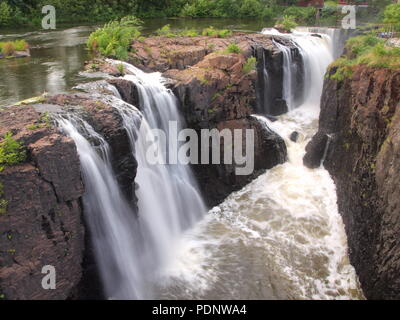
x=42 y=223
x=214 y=91
x=361 y=115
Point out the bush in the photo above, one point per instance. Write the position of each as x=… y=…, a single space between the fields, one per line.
x=233 y=48
x=304 y=15
x=392 y=15
x=114 y=39
x=288 y=23
x=250 y=65
x=8 y=48
x=367 y=50
x=165 y=31
x=211 y=32
x=11 y=152
x=5 y=13
x=21 y=45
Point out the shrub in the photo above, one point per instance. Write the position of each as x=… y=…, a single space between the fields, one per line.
x=5 y=13
x=165 y=31
x=367 y=50
x=3 y=202
x=8 y=48
x=233 y=48
x=21 y=45
x=392 y=15
x=189 y=33
x=249 y=65
x=212 y=32
x=11 y=151
x=288 y=23
x=305 y=15
x=113 y=40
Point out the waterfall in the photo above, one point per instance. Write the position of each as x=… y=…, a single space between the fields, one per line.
x=316 y=52
x=169 y=200
x=281 y=236
x=288 y=89
x=133 y=252
x=115 y=232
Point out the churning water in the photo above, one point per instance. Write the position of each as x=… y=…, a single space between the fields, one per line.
x=280 y=237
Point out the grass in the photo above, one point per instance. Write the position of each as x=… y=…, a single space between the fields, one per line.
x=365 y=50
x=249 y=65
x=10 y=47
x=233 y=48
x=219 y=33
x=11 y=151
x=114 y=39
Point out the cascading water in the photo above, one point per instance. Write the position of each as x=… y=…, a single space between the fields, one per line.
x=133 y=252
x=288 y=90
x=114 y=229
x=280 y=237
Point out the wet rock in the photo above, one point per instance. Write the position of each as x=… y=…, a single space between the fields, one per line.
x=362 y=114
x=42 y=224
x=294 y=136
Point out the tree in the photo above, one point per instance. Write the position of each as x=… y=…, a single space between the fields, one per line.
x=5 y=13
x=392 y=15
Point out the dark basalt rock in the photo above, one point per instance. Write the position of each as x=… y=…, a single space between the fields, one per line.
x=294 y=136
x=43 y=220
x=362 y=115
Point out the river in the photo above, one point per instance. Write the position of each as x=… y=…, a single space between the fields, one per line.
x=58 y=56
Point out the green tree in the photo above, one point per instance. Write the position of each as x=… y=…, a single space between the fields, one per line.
x=392 y=15
x=5 y=13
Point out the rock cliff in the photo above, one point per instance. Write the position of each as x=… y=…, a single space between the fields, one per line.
x=361 y=118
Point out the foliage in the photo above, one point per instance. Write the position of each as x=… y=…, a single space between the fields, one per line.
x=165 y=31
x=233 y=48
x=288 y=23
x=249 y=65
x=5 y=13
x=366 y=50
x=212 y=32
x=11 y=151
x=113 y=40
x=303 y=15
x=392 y=15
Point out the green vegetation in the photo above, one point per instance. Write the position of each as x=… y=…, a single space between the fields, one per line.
x=165 y=31
x=3 y=202
x=11 y=151
x=233 y=48
x=288 y=23
x=44 y=121
x=19 y=12
x=8 y=48
x=366 y=50
x=250 y=65
x=392 y=16
x=219 y=33
x=114 y=39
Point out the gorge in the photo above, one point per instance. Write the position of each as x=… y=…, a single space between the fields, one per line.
x=87 y=201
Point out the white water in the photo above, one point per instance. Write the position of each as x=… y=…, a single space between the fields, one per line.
x=114 y=229
x=288 y=89
x=168 y=199
x=280 y=237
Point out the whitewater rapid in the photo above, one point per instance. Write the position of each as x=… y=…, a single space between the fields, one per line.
x=281 y=236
